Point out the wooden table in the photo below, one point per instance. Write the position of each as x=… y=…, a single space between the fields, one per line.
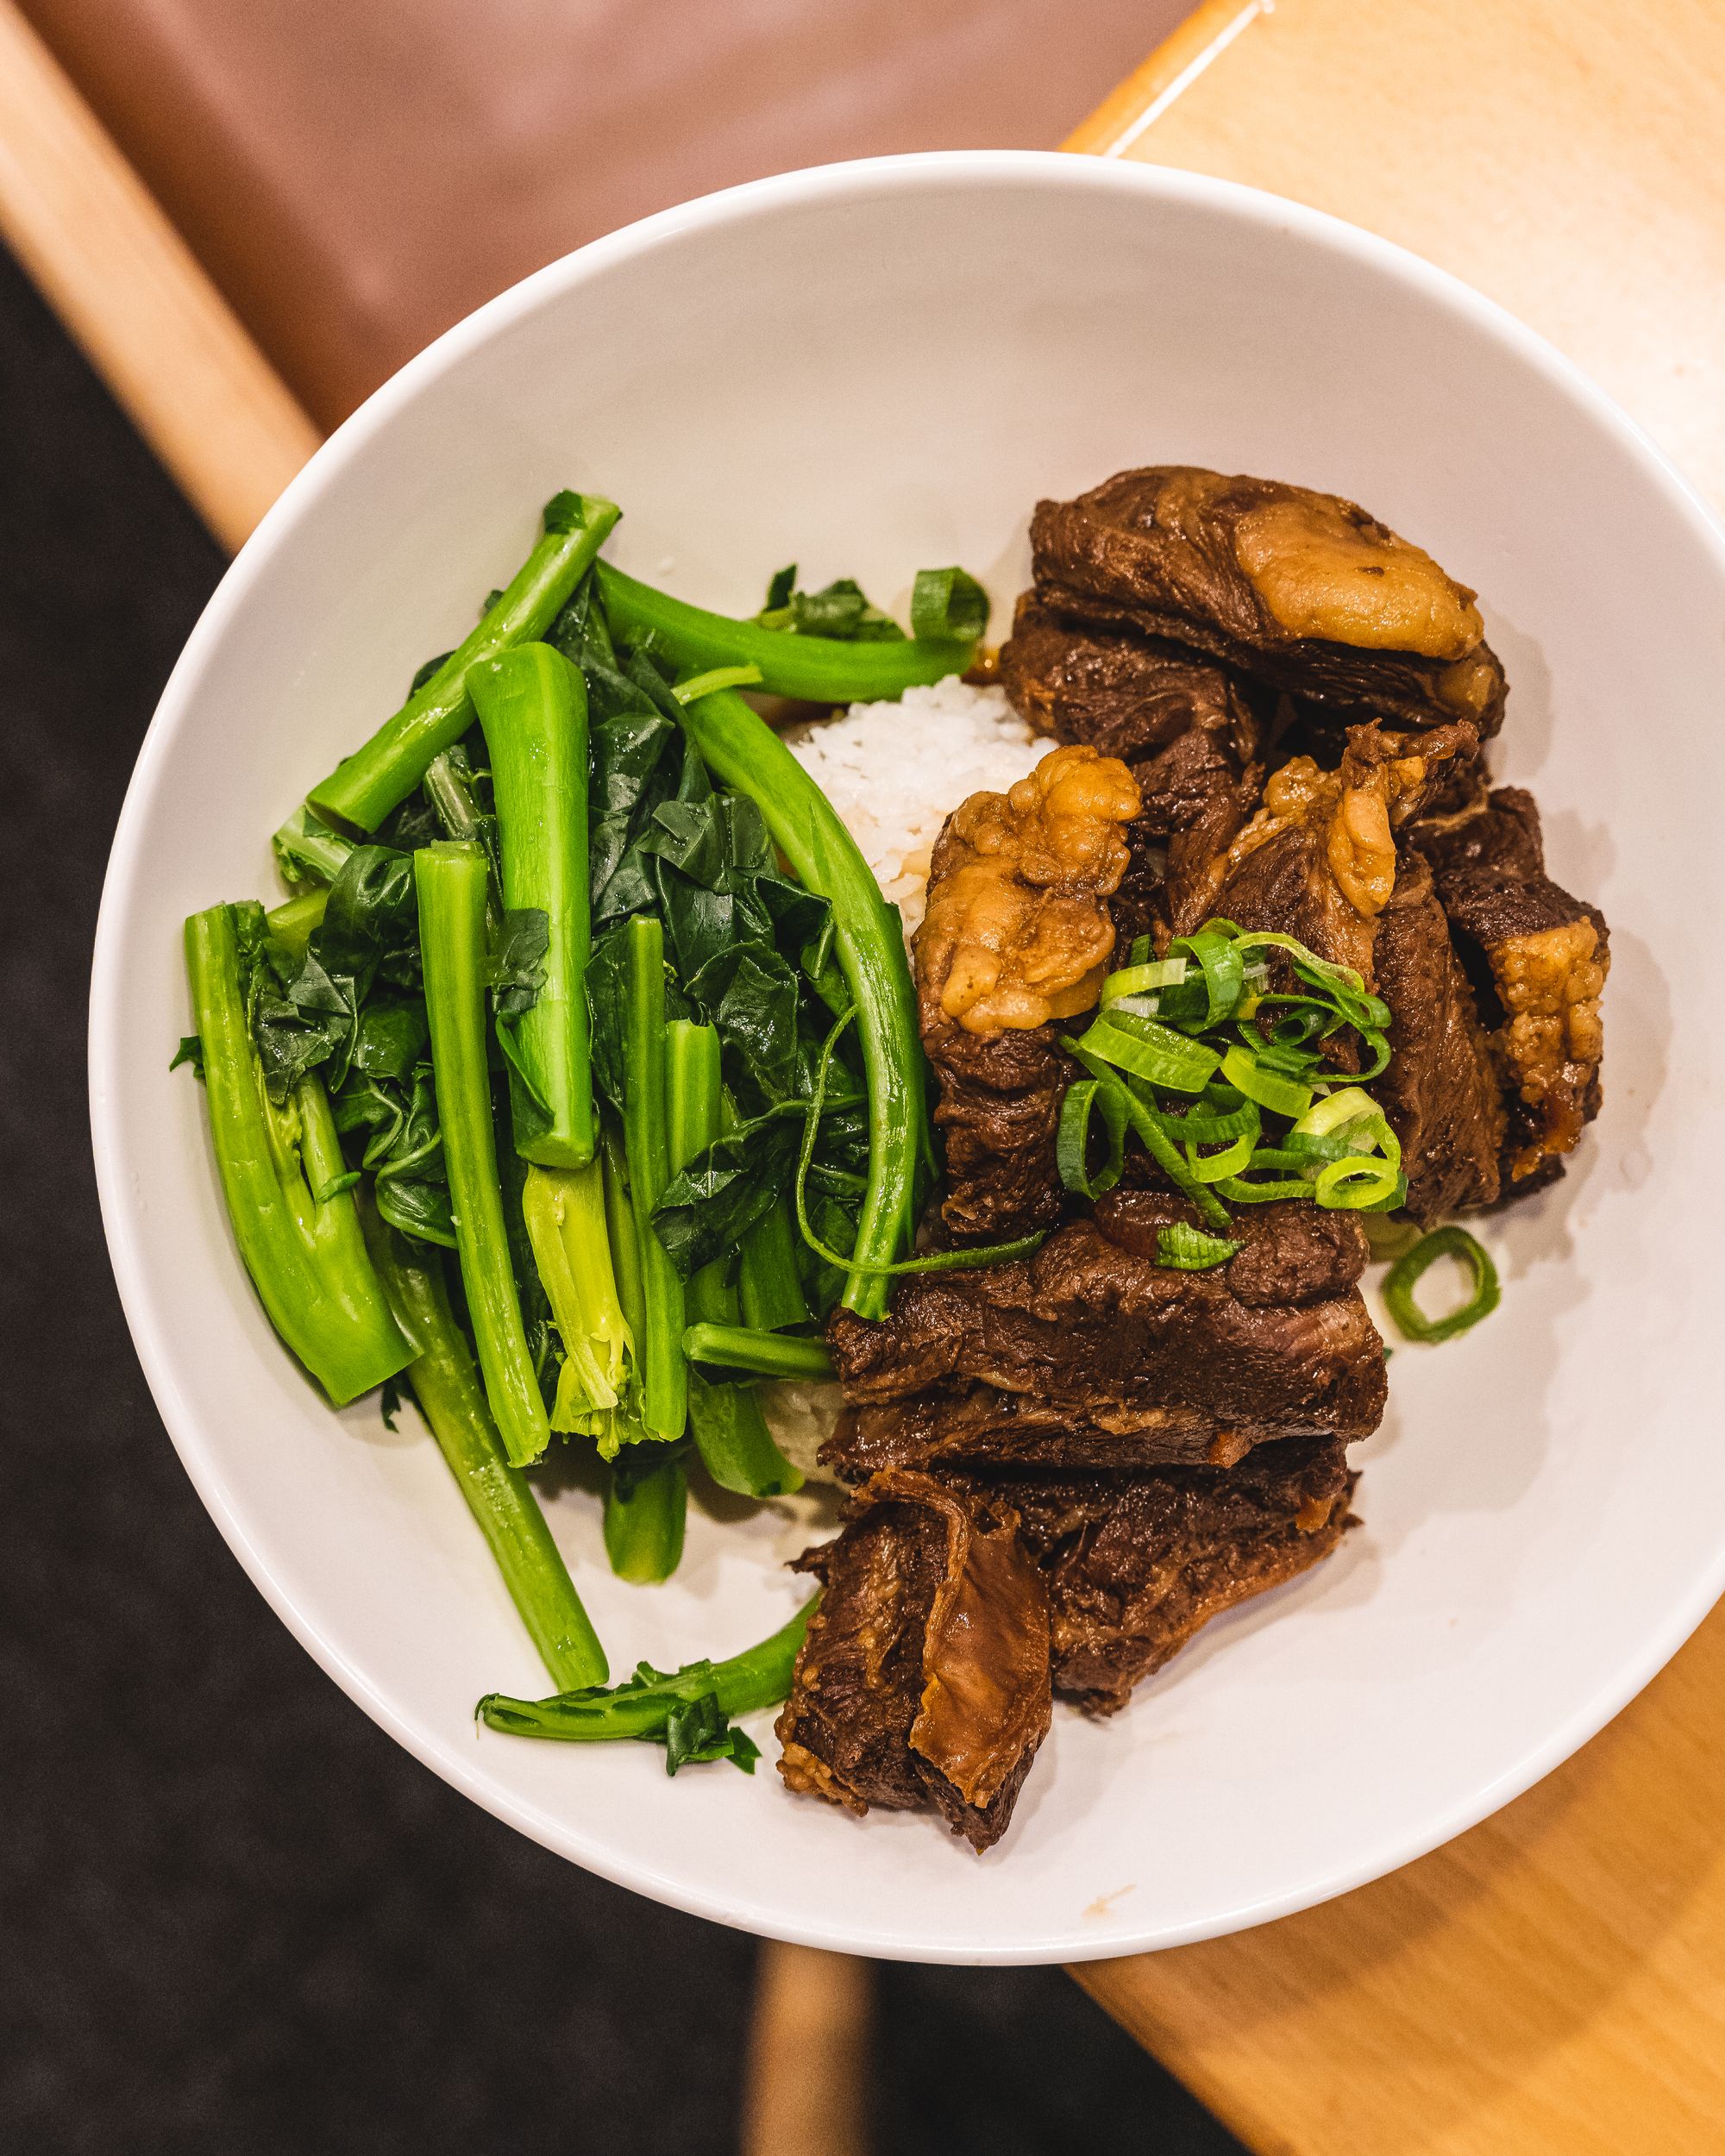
x=1555 y=1980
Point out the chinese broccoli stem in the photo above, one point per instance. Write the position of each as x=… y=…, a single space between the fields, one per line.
x=309 y=851
x=451 y=878
x=760 y=1677
x=447 y=1386
x=659 y=1340
x=294 y=921
x=731 y=1433
x=745 y=753
x=565 y=1214
x=768 y=1283
x=821 y=669
x=362 y=790
x=646 y=1507
x=304 y=1252
x=739 y=1347
x=533 y=706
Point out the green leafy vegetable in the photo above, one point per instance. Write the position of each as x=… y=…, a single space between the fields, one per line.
x=840 y=610
x=451 y=878
x=642 y=1709
x=825 y=669
x=447 y=1386
x=361 y=791
x=532 y=705
x=287 y=1187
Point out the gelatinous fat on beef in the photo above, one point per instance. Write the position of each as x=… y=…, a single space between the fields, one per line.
x=1190 y=737
x=1318 y=860
x=1090 y=1354
x=1538 y=958
x=1017 y=938
x=923 y=1684
x=1301 y=591
x=1136 y=1563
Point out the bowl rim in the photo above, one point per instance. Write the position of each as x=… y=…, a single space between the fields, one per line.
x=853 y=177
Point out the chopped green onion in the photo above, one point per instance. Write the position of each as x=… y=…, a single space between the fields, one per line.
x=1147 y=1122
x=1224 y=972
x=1155 y=1053
x=1135 y=981
x=1189 y=1249
x=1072 y=1142
x=1246 y=1194
x=1284 y=1096
x=1212 y=1168
x=948 y=603
x=1352 y=1184
x=1400 y=1281
x=1336 y=1108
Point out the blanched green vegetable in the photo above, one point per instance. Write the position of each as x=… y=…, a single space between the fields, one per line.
x=646 y=1134
x=289 y=1191
x=564 y=1209
x=868 y=940
x=362 y=790
x=823 y=669
x=760 y=1677
x=450 y=878
x=447 y=1386
x=533 y=706
x=646 y=1508
x=731 y=1433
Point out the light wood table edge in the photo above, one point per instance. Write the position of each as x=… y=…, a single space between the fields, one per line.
x=99 y=247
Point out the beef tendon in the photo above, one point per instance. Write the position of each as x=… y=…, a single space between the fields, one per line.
x=923 y=1684
x=1301 y=591
x=1017 y=936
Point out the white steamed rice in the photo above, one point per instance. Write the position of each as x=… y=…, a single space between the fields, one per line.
x=895 y=772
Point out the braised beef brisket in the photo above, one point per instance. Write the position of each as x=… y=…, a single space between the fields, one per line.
x=1301 y=591
x=923 y=1684
x=1537 y=959
x=1136 y=1563
x=1440 y=1091
x=1090 y=1354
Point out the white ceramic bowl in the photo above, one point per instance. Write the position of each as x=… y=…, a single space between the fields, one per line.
x=866 y=368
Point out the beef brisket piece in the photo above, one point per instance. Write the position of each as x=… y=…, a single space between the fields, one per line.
x=1440 y=1091
x=1189 y=735
x=1126 y=695
x=1016 y=939
x=1318 y=860
x=923 y=1684
x=1136 y=1563
x=1302 y=592
x=1538 y=960
x=998 y=1111
x=1090 y=1354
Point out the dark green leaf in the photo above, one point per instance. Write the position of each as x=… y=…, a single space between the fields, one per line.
x=840 y=610
x=707 y=1209
x=516 y=963
x=191 y=1050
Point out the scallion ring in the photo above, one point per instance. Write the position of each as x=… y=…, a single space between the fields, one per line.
x=1282 y=1096
x=1184 y=1249
x=1072 y=1141
x=1403 y=1276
